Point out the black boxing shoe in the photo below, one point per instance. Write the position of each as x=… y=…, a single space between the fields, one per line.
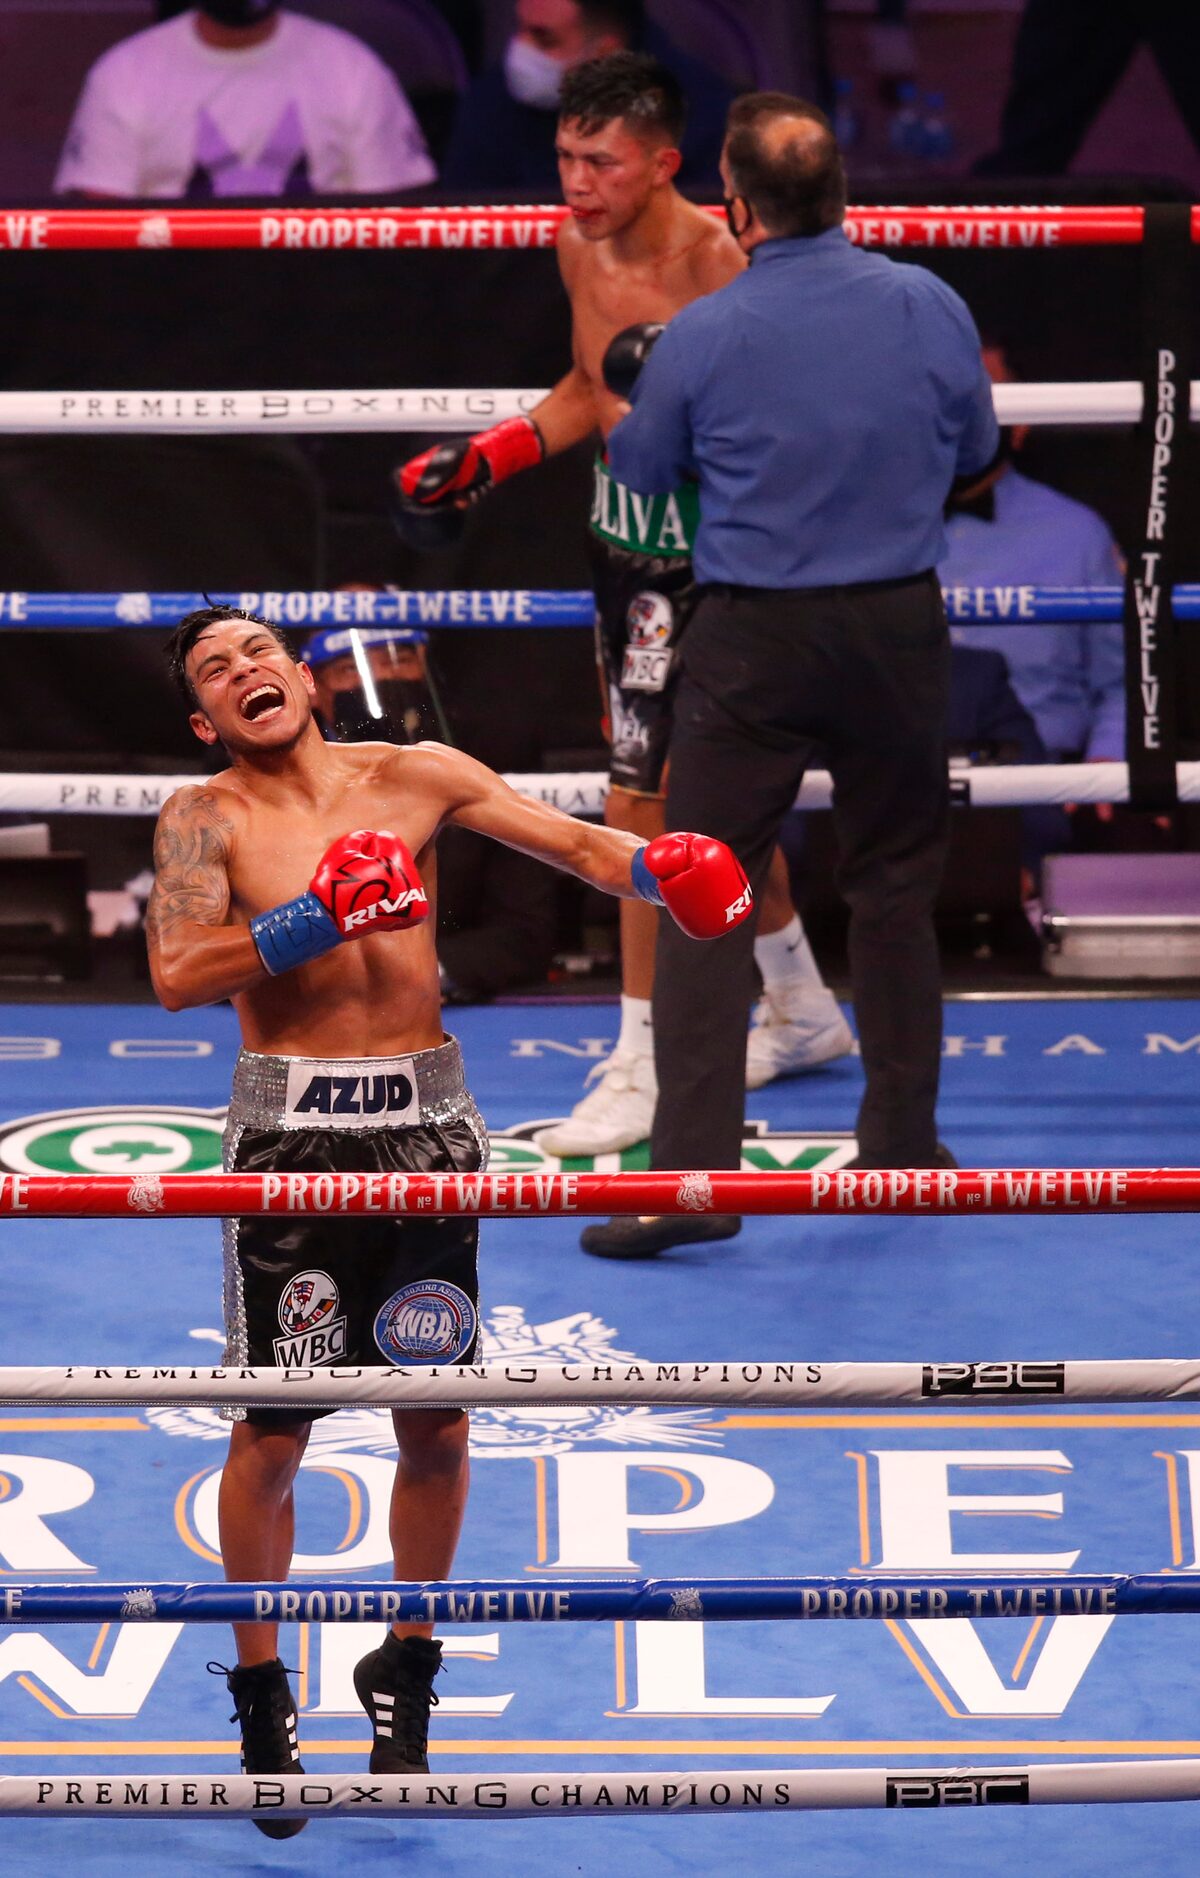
x=395 y=1686
x=632 y=1237
x=264 y=1709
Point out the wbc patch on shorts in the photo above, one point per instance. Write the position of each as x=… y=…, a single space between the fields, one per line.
x=318 y=1097
x=313 y=1331
x=426 y=1322
x=649 y=624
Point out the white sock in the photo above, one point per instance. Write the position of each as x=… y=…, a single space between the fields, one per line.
x=637 y=1029
x=786 y=962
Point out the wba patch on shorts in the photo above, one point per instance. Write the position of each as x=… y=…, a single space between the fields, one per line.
x=427 y=1322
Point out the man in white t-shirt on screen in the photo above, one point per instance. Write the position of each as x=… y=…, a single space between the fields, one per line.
x=241 y=98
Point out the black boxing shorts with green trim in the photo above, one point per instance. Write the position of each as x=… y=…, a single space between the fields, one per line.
x=645 y=596
x=310 y=1290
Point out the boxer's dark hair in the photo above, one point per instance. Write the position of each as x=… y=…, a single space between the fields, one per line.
x=193 y=624
x=796 y=185
x=631 y=86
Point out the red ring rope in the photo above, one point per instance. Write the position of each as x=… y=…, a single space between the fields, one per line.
x=536 y=226
x=928 y=1190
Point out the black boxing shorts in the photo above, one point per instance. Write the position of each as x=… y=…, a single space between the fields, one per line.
x=308 y=1289
x=645 y=595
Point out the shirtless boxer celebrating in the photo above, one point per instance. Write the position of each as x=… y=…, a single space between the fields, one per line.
x=632 y=253
x=344 y=1067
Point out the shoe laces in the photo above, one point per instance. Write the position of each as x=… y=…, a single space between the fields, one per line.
x=263 y=1705
x=613 y=1078
x=815 y=1013
x=415 y=1697
x=615 y=1066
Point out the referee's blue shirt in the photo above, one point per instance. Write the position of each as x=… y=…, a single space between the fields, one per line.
x=824 y=401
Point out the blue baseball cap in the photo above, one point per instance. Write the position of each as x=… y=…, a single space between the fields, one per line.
x=337 y=642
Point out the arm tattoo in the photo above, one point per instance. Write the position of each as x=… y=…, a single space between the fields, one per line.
x=191 y=859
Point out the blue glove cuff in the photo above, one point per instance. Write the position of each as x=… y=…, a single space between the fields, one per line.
x=293 y=933
x=644 y=883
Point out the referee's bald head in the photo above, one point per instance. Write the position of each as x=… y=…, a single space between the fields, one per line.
x=782 y=158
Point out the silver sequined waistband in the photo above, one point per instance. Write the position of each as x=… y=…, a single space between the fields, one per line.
x=422 y=1089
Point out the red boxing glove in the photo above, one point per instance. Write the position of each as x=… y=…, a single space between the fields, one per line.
x=699 y=881
x=465 y=468
x=368 y=882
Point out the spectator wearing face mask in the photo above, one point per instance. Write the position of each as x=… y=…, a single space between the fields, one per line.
x=241 y=98
x=504 y=133
x=373 y=684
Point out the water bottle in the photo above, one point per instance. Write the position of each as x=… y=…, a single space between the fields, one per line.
x=937 y=138
x=846 y=126
x=906 y=131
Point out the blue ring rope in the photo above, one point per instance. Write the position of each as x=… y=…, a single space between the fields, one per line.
x=453 y=610
x=600 y=1600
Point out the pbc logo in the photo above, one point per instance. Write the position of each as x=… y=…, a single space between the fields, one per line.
x=993 y=1379
x=341 y=1101
x=306 y=1313
x=958 y=1789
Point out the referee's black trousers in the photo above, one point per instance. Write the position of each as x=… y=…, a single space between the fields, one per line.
x=862 y=673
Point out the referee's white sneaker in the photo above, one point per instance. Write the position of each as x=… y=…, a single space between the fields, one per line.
x=788 y=1041
x=616 y=1114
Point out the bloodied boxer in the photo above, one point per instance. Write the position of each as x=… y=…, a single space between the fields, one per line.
x=299 y=882
x=632 y=252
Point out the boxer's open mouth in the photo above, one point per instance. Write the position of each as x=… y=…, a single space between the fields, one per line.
x=260 y=702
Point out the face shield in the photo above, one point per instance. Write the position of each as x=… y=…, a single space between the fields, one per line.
x=374 y=685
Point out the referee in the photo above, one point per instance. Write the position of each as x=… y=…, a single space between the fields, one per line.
x=825 y=400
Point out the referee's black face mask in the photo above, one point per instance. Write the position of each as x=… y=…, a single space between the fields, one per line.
x=729 y=204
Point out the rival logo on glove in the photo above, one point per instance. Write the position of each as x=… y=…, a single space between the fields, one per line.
x=741 y=906
x=368 y=879
x=415 y=897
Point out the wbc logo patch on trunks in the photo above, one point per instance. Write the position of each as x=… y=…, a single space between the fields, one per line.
x=426 y=1322
x=319 y=1098
x=649 y=623
x=314 y=1333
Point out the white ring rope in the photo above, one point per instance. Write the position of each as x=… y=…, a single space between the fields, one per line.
x=527 y=1385
x=191 y=413
x=1025 y=785
x=607 y=1795
x=986 y=786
